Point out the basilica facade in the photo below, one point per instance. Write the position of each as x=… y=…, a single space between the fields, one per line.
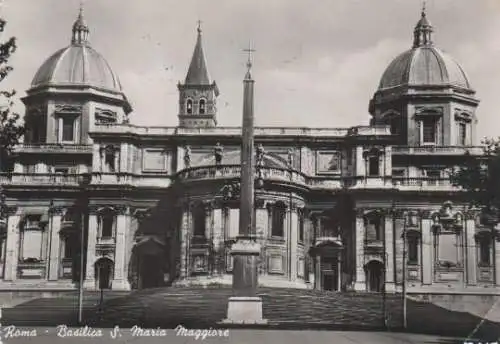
x=366 y=208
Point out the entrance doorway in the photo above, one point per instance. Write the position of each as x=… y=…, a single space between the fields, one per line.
x=104 y=273
x=150 y=271
x=374 y=276
x=330 y=281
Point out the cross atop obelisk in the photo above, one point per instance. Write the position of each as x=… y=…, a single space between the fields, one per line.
x=249 y=51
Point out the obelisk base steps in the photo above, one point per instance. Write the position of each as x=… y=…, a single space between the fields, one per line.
x=244 y=310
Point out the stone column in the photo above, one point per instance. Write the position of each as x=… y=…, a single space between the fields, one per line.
x=90 y=282
x=96 y=158
x=427 y=248
x=12 y=245
x=120 y=281
x=389 y=251
x=55 y=244
x=262 y=231
x=293 y=240
x=470 y=244
x=360 y=284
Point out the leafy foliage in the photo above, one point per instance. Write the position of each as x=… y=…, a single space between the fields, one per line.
x=11 y=130
x=480 y=175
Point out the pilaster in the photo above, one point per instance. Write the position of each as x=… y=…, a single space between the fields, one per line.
x=360 y=284
x=389 y=249
x=55 y=243
x=360 y=162
x=427 y=261
x=96 y=158
x=120 y=281
x=471 y=258
x=91 y=252
x=293 y=242
x=12 y=246
x=124 y=149
x=388 y=161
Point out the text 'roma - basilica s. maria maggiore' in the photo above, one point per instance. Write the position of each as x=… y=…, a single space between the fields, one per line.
x=342 y=209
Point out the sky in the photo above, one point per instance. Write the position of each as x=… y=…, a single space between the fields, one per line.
x=317 y=63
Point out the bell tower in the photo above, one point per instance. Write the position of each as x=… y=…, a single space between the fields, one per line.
x=198 y=94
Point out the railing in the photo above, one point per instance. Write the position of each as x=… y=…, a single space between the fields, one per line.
x=424 y=183
x=53 y=148
x=233 y=171
x=99 y=178
x=437 y=150
x=220 y=131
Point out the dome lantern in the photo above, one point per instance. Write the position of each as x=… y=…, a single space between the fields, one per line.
x=80 y=30
x=422 y=35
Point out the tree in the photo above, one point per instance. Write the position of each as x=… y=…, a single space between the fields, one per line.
x=480 y=176
x=11 y=130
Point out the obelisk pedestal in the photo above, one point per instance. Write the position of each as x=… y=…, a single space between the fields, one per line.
x=245 y=307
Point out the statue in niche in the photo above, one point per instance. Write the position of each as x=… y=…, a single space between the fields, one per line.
x=260 y=155
x=290 y=157
x=446 y=210
x=187 y=157
x=218 y=152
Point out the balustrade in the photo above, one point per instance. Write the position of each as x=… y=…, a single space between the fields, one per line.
x=53 y=148
x=444 y=150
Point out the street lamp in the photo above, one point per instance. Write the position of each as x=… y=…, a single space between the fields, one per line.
x=84 y=182
x=405 y=220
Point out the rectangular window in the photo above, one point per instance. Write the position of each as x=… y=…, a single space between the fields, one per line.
x=429 y=130
x=462 y=133
x=301 y=227
x=373 y=166
x=68 y=129
x=278 y=224
x=107 y=223
x=412 y=250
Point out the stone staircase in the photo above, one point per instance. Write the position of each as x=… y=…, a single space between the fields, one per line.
x=53 y=311
x=204 y=307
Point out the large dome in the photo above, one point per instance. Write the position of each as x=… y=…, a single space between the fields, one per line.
x=77 y=65
x=424 y=64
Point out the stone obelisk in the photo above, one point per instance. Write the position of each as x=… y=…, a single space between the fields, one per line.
x=245 y=306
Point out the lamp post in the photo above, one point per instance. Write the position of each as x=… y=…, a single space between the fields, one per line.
x=85 y=180
x=405 y=219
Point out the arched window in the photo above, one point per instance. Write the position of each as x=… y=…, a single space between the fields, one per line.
x=189 y=106
x=202 y=106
